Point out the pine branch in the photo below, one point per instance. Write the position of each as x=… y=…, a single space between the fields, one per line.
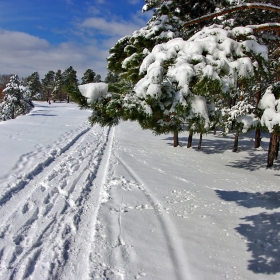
x=248 y=6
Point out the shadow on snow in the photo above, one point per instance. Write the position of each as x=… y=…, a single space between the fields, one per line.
x=261 y=230
x=254 y=160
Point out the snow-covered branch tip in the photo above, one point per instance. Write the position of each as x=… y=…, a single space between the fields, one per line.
x=265 y=26
x=248 y=6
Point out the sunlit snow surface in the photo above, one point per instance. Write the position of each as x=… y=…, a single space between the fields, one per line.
x=81 y=202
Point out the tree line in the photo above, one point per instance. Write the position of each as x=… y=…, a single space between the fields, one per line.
x=17 y=93
x=54 y=86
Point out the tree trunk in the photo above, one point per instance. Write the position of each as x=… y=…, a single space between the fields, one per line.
x=200 y=141
x=272 y=151
x=215 y=130
x=13 y=112
x=190 y=139
x=176 y=139
x=235 y=145
x=257 y=138
x=277 y=147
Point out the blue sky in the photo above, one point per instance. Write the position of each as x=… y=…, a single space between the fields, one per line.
x=43 y=35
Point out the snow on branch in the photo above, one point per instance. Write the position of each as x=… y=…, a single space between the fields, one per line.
x=265 y=26
x=248 y=6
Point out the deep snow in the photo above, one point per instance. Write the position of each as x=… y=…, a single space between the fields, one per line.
x=81 y=202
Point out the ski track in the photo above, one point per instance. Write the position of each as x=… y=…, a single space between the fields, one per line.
x=12 y=184
x=50 y=213
x=114 y=256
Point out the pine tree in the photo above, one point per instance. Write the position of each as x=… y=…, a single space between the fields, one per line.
x=69 y=80
x=17 y=99
x=88 y=77
x=34 y=85
x=111 y=78
x=48 y=84
x=58 y=86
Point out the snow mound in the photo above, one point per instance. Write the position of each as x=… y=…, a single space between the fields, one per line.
x=93 y=91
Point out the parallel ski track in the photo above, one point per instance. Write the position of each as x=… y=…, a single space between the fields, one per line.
x=12 y=185
x=48 y=223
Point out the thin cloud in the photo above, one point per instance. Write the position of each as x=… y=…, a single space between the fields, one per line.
x=133 y=2
x=109 y=28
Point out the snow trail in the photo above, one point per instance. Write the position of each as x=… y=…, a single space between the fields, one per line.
x=52 y=222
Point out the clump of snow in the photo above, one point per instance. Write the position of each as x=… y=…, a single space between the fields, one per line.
x=271 y=107
x=93 y=91
x=248 y=121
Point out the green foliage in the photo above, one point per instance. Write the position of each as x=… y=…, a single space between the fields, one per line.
x=106 y=111
x=76 y=96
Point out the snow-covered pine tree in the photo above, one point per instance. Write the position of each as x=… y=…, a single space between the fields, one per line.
x=242 y=13
x=165 y=24
x=34 y=85
x=184 y=79
x=270 y=120
x=17 y=99
x=128 y=53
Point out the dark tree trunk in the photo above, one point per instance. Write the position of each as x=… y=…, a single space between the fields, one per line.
x=272 y=151
x=257 y=138
x=13 y=112
x=235 y=145
x=200 y=142
x=176 y=139
x=68 y=98
x=277 y=147
x=190 y=139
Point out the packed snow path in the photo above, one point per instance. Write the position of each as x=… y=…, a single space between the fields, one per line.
x=49 y=219
x=120 y=203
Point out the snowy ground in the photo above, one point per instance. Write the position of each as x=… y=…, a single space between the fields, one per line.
x=95 y=203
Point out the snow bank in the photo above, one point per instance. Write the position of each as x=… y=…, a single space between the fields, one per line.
x=93 y=91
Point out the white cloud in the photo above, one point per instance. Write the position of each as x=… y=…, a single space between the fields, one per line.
x=24 y=54
x=13 y=41
x=91 y=39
